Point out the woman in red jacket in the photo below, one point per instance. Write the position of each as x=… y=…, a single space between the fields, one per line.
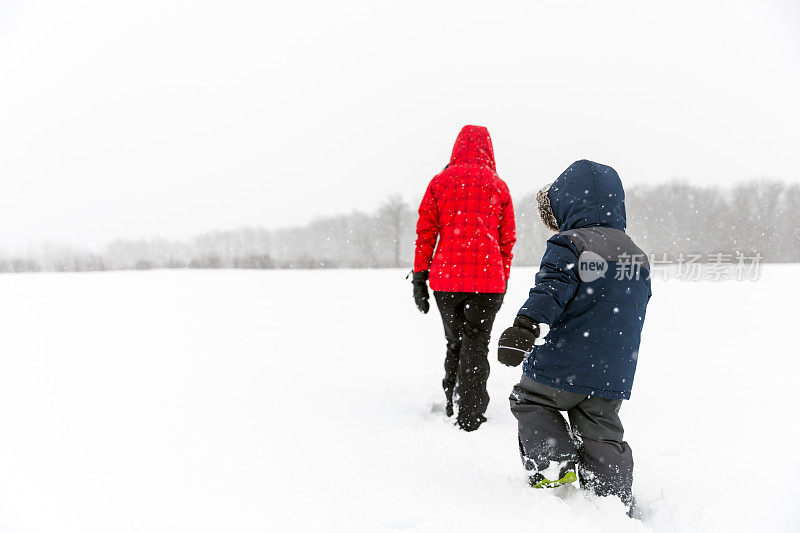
x=468 y=207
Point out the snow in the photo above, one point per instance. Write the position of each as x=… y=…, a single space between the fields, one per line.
x=194 y=401
x=544 y=330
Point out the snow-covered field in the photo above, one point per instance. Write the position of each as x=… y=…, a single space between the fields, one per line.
x=207 y=401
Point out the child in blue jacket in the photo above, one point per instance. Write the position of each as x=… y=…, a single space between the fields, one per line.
x=578 y=334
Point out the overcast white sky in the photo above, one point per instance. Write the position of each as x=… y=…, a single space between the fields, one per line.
x=168 y=118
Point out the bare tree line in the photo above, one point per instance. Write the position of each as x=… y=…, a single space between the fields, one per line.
x=669 y=220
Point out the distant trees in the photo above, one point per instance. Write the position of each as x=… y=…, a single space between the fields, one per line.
x=393 y=218
x=19 y=265
x=668 y=219
x=756 y=217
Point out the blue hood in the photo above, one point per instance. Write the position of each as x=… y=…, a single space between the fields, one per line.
x=588 y=194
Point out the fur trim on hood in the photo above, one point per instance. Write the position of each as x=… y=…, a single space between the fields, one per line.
x=545 y=211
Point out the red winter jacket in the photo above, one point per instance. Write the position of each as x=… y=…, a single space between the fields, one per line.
x=468 y=207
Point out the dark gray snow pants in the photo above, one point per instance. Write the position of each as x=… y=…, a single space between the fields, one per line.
x=593 y=442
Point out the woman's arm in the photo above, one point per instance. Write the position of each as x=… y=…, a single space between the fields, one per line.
x=508 y=235
x=427 y=231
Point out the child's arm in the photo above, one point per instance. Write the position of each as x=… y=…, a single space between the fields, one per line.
x=556 y=281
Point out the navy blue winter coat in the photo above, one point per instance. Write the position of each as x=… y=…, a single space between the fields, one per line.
x=592 y=287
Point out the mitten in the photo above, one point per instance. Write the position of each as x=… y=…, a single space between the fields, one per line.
x=421 y=296
x=517 y=341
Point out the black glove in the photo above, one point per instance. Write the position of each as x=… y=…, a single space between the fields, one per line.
x=517 y=341
x=421 y=296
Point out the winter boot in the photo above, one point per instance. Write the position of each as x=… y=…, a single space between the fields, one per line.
x=470 y=422
x=448 y=408
x=554 y=475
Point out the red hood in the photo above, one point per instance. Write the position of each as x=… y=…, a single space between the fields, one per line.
x=473 y=146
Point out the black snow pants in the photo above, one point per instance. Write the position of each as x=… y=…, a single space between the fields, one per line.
x=593 y=443
x=467 y=319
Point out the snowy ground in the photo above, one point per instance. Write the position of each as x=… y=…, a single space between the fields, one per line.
x=206 y=401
